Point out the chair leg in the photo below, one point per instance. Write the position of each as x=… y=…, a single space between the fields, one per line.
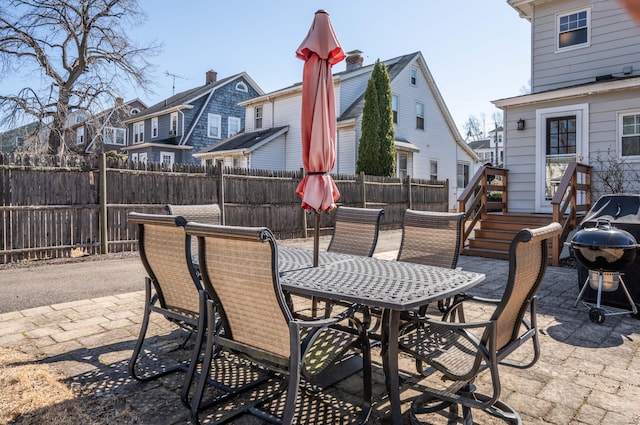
x=206 y=363
x=149 y=300
x=186 y=385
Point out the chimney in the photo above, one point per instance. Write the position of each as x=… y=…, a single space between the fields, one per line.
x=354 y=60
x=211 y=76
x=119 y=101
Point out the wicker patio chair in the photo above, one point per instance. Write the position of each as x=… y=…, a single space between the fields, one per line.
x=460 y=351
x=240 y=272
x=200 y=213
x=204 y=213
x=433 y=239
x=356 y=231
x=171 y=289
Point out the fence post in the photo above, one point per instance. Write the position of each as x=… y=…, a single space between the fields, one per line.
x=221 y=191
x=102 y=194
x=305 y=233
x=409 y=194
x=363 y=189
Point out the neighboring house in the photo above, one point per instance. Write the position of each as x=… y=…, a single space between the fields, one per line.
x=490 y=150
x=101 y=132
x=585 y=99
x=175 y=128
x=20 y=138
x=427 y=141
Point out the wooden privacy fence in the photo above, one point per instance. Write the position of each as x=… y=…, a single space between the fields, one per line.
x=61 y=208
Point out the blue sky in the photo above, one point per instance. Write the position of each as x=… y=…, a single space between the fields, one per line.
x=477 y=51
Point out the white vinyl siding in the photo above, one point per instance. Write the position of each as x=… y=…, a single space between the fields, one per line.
x=614 y=42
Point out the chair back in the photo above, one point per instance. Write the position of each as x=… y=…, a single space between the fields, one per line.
x=431 y=238
x=206 y=213
x=356 y=231
x=165 y=251
x=528 y=256
x=239 y=270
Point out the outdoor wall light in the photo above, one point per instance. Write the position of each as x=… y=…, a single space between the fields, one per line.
x=520 y=124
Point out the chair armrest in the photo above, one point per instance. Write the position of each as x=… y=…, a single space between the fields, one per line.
x=321 y=323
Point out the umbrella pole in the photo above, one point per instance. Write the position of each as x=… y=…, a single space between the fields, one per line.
x=316 y=239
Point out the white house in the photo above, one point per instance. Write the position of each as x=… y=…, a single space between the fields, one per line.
x=491 y=149
x=585 y=99
x=428 y=143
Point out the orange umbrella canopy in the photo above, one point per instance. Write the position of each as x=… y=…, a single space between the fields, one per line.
x=320 y=50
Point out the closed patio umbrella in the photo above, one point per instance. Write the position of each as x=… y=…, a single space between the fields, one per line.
x=320 y=50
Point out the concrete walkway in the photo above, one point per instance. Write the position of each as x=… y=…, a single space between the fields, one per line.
x=588 y=373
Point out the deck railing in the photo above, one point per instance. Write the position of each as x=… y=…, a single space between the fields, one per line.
x=573 y=197
x=479 y=197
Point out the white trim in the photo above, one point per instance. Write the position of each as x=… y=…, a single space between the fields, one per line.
x=114 y=132
x=559 y=49
x=170 y=155
x=136 y=127
x=229 y=121
x=211 y=117
x=619 y=134
x=154 y=127
x=581 y=111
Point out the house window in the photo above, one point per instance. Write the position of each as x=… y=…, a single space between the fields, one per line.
x=143 y=158
x=167 y=158
x=134 y=157
x=173 y=124
x=258 y=117
x=79 y=135
x=573 y=29
x=213 y=126
x=79 y=118
x=402 y=165
x=154 y=127
x=630 y=135
x=561 y=135
x=114 y=136
x=433 y=170
x=234 y=126
x=19 y=141
x=419 y=116
x=138 y=132
x=241 y=86
x=413 y=78
x=463 y=174
x=237 y=161
x=394 y=108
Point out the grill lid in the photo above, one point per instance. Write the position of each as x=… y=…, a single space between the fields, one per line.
x=603 y=236
x=604 y=247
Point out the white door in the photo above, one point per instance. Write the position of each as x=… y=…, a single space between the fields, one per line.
x=562 y=138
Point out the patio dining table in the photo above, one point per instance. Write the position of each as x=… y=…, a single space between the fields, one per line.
x=393 y=286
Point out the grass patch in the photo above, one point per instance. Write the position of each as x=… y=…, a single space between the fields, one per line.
x=33 y=393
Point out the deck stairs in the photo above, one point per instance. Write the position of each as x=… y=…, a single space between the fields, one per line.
x=493 y=235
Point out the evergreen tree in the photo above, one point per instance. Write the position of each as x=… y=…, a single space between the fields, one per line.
x=369 y=147
x=376 y=153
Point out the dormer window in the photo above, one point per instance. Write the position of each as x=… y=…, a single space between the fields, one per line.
x=573 y=29
x=241 y=86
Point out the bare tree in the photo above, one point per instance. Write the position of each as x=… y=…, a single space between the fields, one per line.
x=613 y=174
x=473 y=128
x=78 y=49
